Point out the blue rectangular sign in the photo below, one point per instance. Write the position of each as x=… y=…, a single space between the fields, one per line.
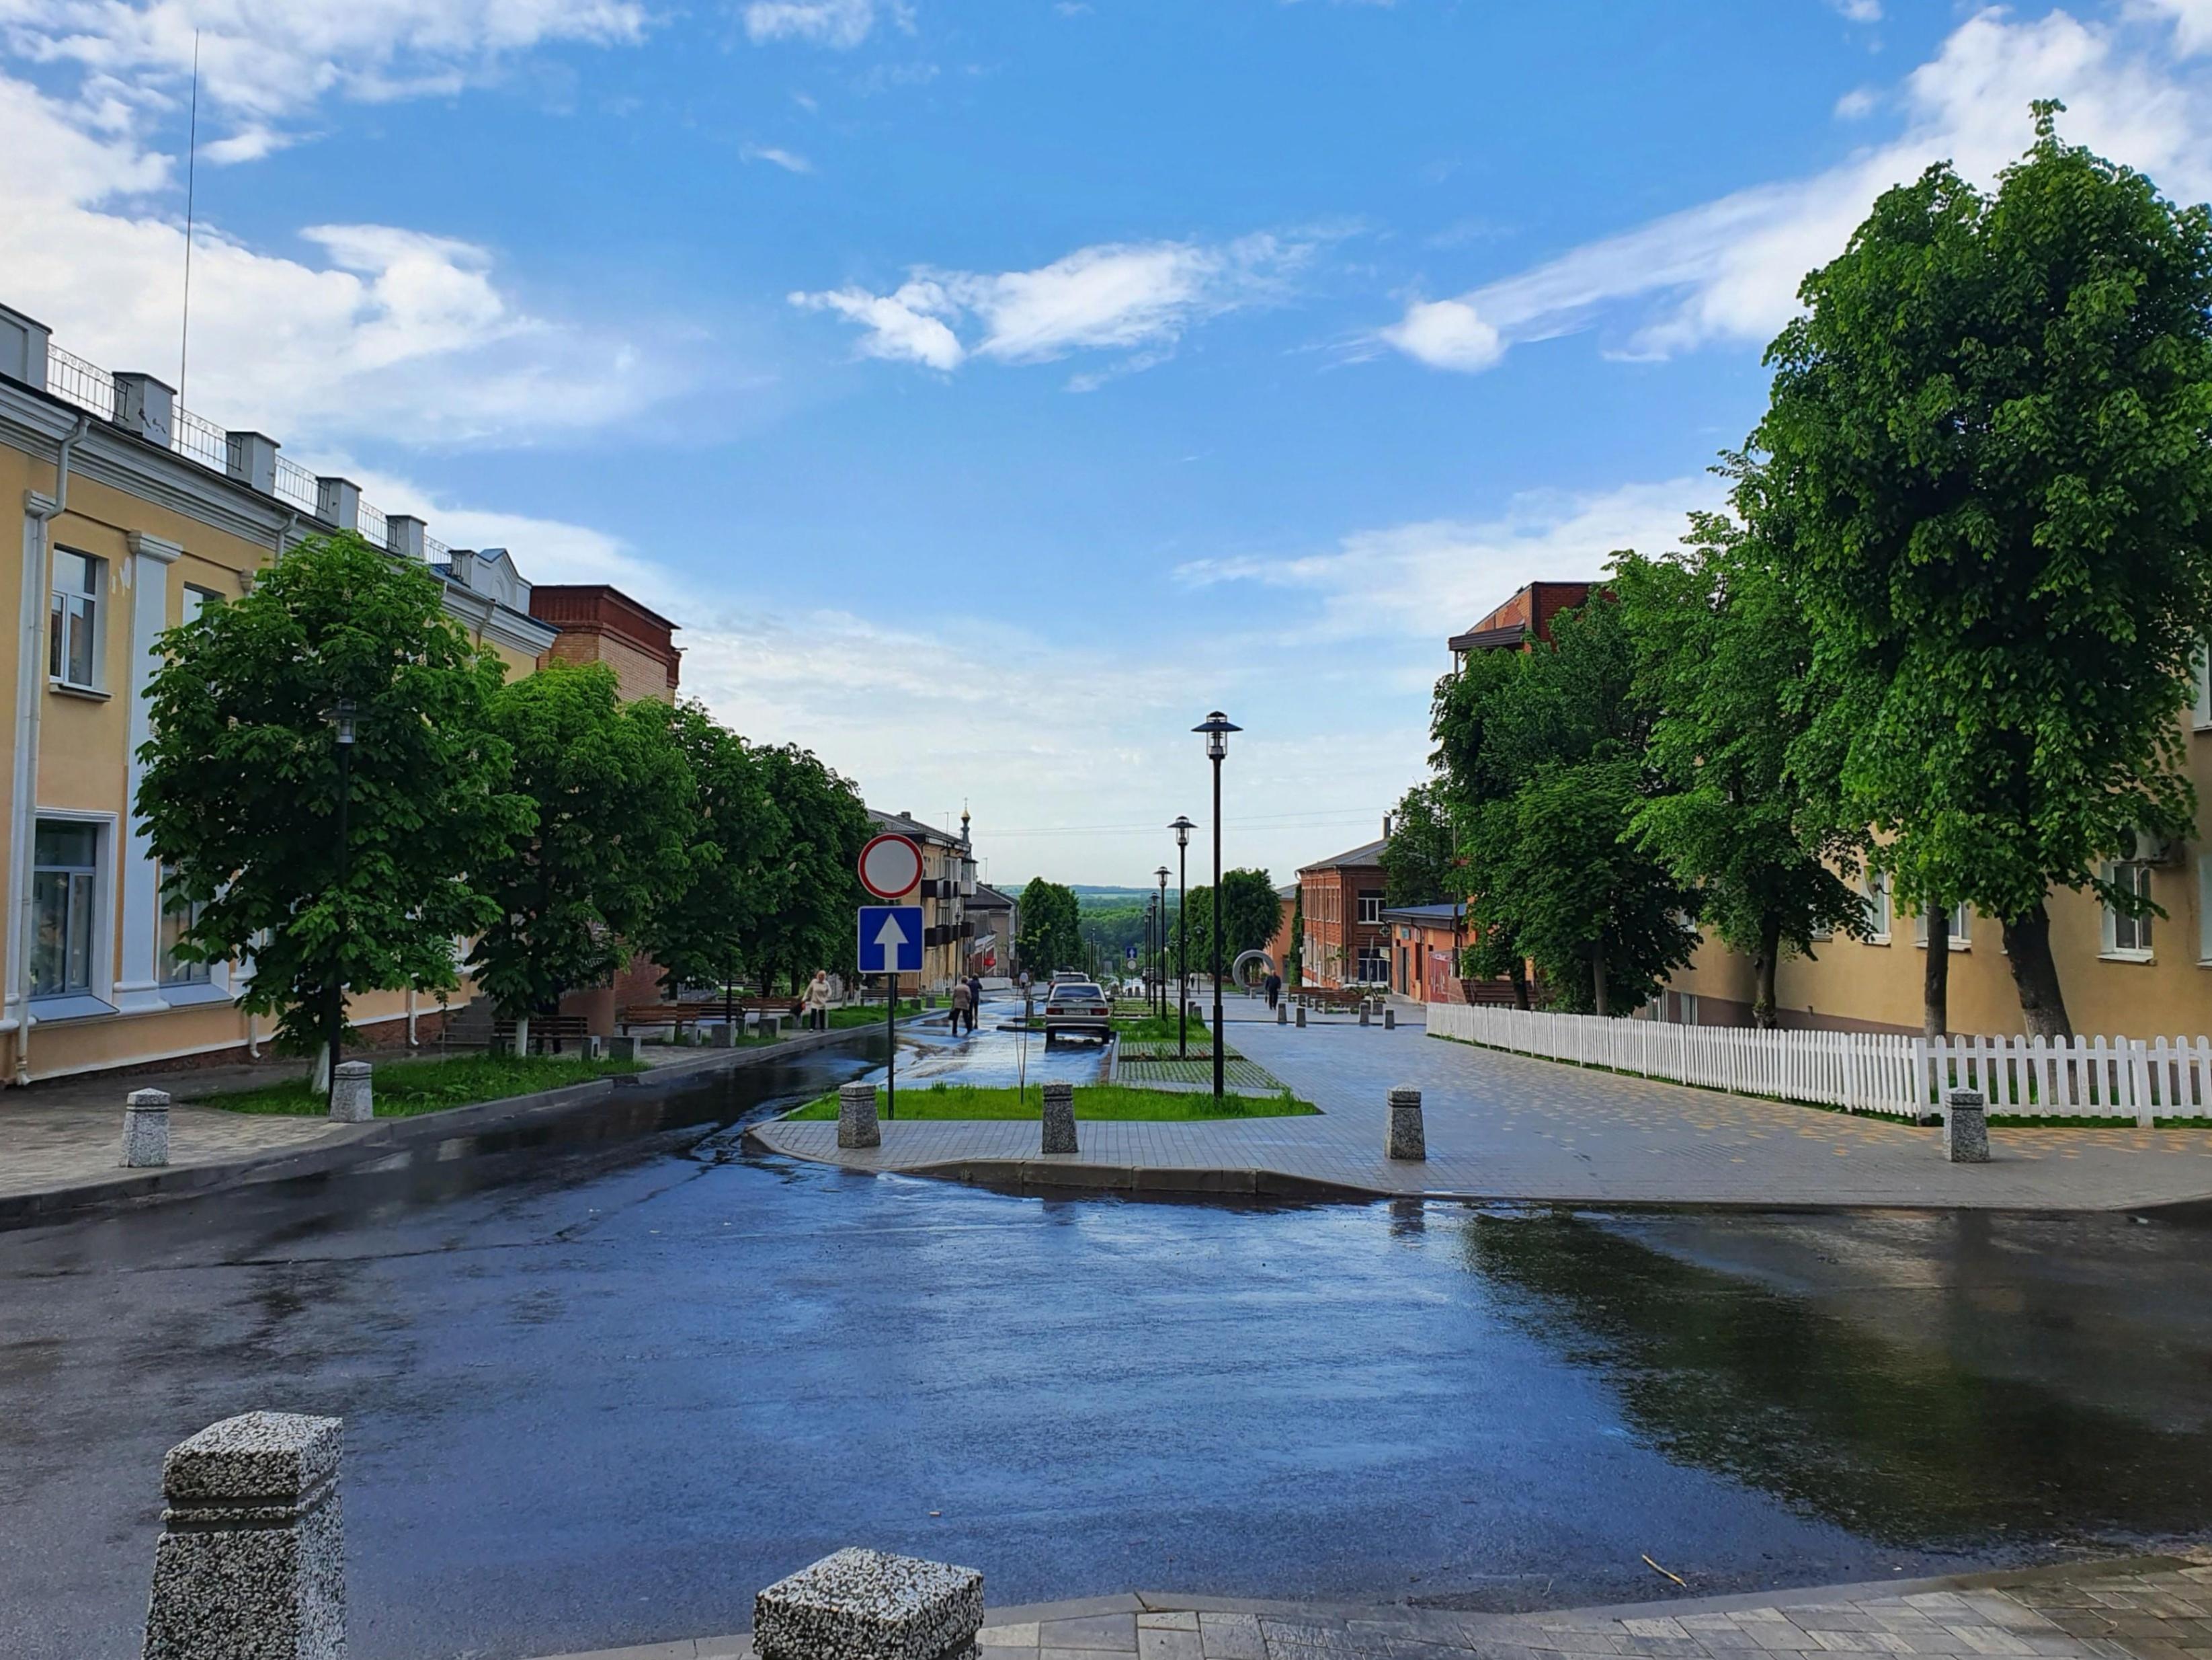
x=890 y=939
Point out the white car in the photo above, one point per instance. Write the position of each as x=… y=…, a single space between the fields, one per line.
x=1078 y=1008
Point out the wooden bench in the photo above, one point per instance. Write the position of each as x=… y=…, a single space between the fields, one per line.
x=547 y=1033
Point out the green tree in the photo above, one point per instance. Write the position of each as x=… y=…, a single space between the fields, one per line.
x=1990 y=438
x=811 y=886
x=1722 y=655
x=614 y=804
x=240 y=790
x=1250 y=911
x=1051 y=928
x=701 y=933
x=1557 y=736
x=1420 y=859
x=1294 y=964
x=1473 y=779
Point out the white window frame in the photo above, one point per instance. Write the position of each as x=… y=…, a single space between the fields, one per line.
x=93 y=599
x=98 y=997
x=1874 y=889
x=1370 y=908
x=178 y=976
x=2136 y=930
x=2205 y=910
x=2200 y=715
x=1961 y=920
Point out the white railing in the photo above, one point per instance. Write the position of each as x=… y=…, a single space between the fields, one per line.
x=1866 y=1072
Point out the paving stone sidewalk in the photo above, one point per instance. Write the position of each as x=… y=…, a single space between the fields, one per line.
x=1511 y=1128
x=2144 y=1608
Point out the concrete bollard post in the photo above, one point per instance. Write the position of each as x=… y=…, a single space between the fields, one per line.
x=625 y=1047
x=857 y=1126
x=1059 y=1118
x=251 y=1558
x=1362 y=1011
x=1966 y=1127
x=352 y=1098
x=145 y=1129
x=1282 y=1013
x=725 y=1036
x=595 y=1049
x=864 y=1605
x=1301 y=1017
x=1405 y=1132
x=1406 y=1139
x=1389 y=1017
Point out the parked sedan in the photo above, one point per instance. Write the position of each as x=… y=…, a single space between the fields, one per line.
x=1078 y=1008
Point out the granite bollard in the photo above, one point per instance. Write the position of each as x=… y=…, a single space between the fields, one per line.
x=251 y=1564
x=353 y=1099
x=1282 y=1013
x=595 y=1049
x=859 y=1604
x=1406 y=1139
x=857 y=1126
x=625 y=1047
x=725 y=1036
x=1059 y=1118
x=1966 y=1127
x=145 y=1129
x=1389 y=1017
x=1362 y=1011
x=1302 y=1015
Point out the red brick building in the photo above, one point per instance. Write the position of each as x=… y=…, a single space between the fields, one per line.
x=600 y=623
x=1346 y=942
x=1526 y=616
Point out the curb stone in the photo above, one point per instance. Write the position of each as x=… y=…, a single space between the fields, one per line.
x=361 y=1144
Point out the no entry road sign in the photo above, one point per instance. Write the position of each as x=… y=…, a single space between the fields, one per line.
x=890 y=866
x=890 y=939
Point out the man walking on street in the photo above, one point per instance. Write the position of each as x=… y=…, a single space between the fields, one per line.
x=1274 y=989
x=964 y=1005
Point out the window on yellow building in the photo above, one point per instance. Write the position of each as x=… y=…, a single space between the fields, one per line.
x=2128 y=938
x=73 y=621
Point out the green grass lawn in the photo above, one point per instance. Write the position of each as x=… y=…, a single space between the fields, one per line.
x=1092 y=1101
x=405 y=1089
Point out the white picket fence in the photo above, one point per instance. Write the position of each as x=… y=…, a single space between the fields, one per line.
x=1866 y=1072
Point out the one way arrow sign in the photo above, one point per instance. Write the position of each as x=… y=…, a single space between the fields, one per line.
x=890 y=939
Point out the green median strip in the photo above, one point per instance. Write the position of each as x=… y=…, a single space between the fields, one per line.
x=406 y=1089
x=1092 y=1101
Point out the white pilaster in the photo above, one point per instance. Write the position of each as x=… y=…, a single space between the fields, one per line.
x=138 y=968
x=30 y=686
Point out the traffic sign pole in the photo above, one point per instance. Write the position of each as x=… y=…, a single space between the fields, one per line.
x=890 y=1059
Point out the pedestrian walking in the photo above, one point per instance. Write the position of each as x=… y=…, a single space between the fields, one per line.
x=975 y=999
x=964 y=1006
x=817 y=1001
x=1274 y=989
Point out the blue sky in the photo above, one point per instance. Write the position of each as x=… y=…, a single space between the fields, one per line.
x=991 y=389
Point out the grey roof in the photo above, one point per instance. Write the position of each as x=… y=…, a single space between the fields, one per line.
x=1443 y=912
x=899 y=823
x=1369 y=853
x=989 y=898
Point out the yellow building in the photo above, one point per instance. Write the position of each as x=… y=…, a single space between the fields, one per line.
x=2121 y=976
x=135 y=513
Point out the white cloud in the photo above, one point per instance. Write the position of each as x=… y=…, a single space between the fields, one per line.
x=1728 y=269
x=1133 y=297
x=839 y=25
x=2191 y=21
x=394 y=332
x=1427 y=580
x=262 y=61
x=1859 y=11
x=1857 y=104
x=789 y=160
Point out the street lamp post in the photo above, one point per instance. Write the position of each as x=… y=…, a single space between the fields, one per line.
x=1161 y=872
x=1216 y=727
x=342 y=718
x=1182 y=828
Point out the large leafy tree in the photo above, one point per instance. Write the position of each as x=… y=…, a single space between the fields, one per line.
x=812 y=886
x=1473 y=780
x=702 y=933
x=1250 y=911
x=1721 y=657
x=1051 y=927
x=240 y=790
x=613 y=793
x=1990 y=440
x=1420 y=858
x=1552 y=739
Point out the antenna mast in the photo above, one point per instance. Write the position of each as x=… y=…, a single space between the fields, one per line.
x=192 y=182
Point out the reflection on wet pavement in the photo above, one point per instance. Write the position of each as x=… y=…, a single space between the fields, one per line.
x=1002 y=1053
x=603 y=1379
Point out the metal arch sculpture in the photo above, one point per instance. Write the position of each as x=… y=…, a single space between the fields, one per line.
x=1258 y=960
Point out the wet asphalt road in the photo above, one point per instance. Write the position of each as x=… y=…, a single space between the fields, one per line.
x=599 y=1389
